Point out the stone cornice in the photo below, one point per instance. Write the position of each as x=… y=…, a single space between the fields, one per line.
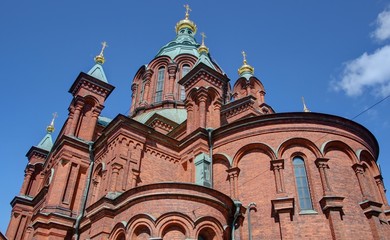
x=92 y=84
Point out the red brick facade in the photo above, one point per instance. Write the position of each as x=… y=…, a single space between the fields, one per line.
x=200 y=167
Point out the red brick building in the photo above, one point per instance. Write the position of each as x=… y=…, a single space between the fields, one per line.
x=198 y=159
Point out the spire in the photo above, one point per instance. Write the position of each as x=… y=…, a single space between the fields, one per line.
x=305 y=109
x=202 y=48
x=47 y=142
x=245 y=70
x=186 y=22
x=97 y=70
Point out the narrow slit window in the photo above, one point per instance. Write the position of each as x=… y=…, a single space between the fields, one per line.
x=302 y=184
x=160 y=84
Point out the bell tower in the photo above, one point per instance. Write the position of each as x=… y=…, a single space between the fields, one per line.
x=89 y=93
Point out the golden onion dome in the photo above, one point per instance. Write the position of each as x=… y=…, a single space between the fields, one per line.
x=245 y=68
x=186 y=22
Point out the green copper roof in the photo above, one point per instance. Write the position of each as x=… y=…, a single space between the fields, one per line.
x=204 y=58
x=184 y=43
x=104 y=121
x=176 y=115
x=46 y=143
x=98 y=72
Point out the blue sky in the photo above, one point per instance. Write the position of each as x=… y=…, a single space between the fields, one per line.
x=334 y=53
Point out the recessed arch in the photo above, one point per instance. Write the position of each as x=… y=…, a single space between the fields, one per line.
x=301 y=142
x=118 y=232
x=250 y=147
x=180 y=220
x=340 y=146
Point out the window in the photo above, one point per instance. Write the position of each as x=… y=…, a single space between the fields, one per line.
x=141 y=95
x=184 y=71
x=160 y=84
x=302 y=184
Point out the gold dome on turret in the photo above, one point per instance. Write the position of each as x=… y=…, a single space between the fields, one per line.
x=245 y=68
x=99 y=59
x=186 y=22
x=202 y=48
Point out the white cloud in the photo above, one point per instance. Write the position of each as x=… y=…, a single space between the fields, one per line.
x=368 y=71
x=382 y=32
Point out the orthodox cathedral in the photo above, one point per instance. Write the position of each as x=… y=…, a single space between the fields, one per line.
x=198 y=158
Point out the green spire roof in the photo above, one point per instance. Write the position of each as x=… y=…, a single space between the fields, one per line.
x=46 y=143
x=98 y=72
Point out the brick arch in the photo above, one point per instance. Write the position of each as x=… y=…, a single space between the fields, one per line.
x=341 y=146
x=183 y=59
x=223 y=158
x=249 y=148
x=139 y=74
x=301 y=142
x=141 y=232
x=221 y=163
x=366 y=156
x=97 y=181
x=209 y=225
x=145 y=220
x=118 y=232
x=159 y=61
x=174 y=219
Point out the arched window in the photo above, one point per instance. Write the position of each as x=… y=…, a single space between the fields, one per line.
x=160 y=84
x=184 y=71
x=302 y=184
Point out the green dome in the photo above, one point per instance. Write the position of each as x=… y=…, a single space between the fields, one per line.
x=184 y=43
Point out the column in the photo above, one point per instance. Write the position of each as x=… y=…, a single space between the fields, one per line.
x=283 y=211
x=381 y=189
x=114 y=177
x=135 y=177
x=233 y=180
x=359 y=170
x=190 y=115
x=169 y=88
x=202 y=98
x=76 y=115
x=27 y=179
x=332 y=205
x=277 y=167
x=322 y=165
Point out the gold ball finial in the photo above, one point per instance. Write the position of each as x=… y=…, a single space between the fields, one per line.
x=245 y=68
x=186 y=22
x=202 y=48
x=51 y=128
x=100 y=58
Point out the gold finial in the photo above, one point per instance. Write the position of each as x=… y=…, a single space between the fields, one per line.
x=186 y=22
x=245 y=68
x=50 y=128
x=305 y=109
x=203 y=48
x=188 y=9
x=100 y=58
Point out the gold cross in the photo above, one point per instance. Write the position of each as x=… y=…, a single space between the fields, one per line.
x=55 y=115
x=203 y=37
x=104 y=45
x=188 y=9
x=244 y=55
